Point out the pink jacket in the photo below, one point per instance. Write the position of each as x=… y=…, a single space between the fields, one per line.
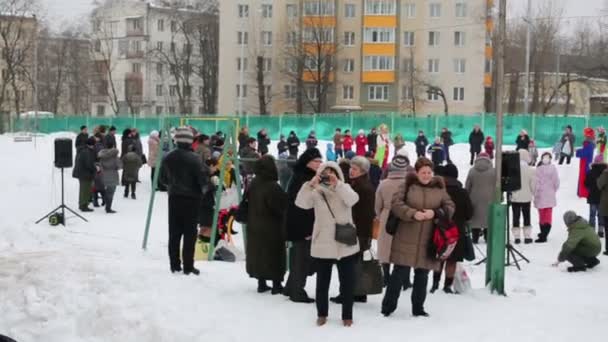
x=547 y=184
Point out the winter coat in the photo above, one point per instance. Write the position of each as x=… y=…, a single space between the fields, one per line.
x=311 y=142
x=110 y=164
x=375 y=173
x=528 y=180
x=330 y=155
x=522 y=142
x=109 y=139
x=361 y=142
x=547 y=184
x=348 y=143
x=363 y=211
x=480 y=183
x=243 y=140
x=81 y=141
x=411 y=241
x=204 y=152
x=437 y=154
x=421 y=143
x=338 y=141
x=153 y=150
x=371 y=142
x=489 y=147
x=568 y=141
x=131 y=163
x=137 y=145
x=446 y=137
x=591 y=183
x=184 y=174
x=341 y=199
x=84 y=166
x=601 y=145
x=582 y=241
x=463 y=212
x=294 y=144
x=586 y=157
x=266 y=258
x=282 y=147
x=383 y=205
x=248 y=153
x=299 y=221
x=263 y=142
x=476 y=140
x=533 y=155
x=602 y=185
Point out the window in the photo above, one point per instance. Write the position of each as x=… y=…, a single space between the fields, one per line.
x=349 y=38
x=267 y=65
x=123 y=47
x=311 y=93
x=267 y=38
x=172 y=90
x=292 y=38
x=266 y=11
x=159 y=46
x=137 y=46
x=173 y=26
x=187 y=49
x=243 y=11
x=379 y=63
x=409 y=10
x=292 y=64
x=433 y=38
x=349 y=11
x=290 y=91
x=160 y=25
x=136 y=68
x=432 y=95
x=380 y=7
x=349 y=65
x=268 y=91
x=159 y=90
x=407 y=93
x=159 y=69
x=409 y=38
x=136 y=24
x=101 y=110
x=242 y=38
x=461 y=9
x=97 y=46
x=187 y=90
x=458 y=93
x=408 y=65
x=488 y=66
x=172 y=46
x=435 y=10
x=241 y=90
x=348 y=92
x=201 y=91
x=319 y=35
x=459 y=38
x=319 y=8
x=4 y=74
x=379 y=35
x=292 y=11
x=460 y=65
x=433 y=65
x=159 y=110
x=241 y=64
x=377 y=93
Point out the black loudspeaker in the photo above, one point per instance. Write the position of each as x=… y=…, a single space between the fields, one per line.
x=63 y=153
x=511 y=172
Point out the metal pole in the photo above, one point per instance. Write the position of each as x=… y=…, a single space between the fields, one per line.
x=35 y=86
x=500 y=75
x=242 y=73
x=527 y=89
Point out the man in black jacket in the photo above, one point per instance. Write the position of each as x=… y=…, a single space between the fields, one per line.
x=446 y=137
x=84 y=171
x=81 y=139
x=263 y=142
x=372 y=141
x=299 y=225
x=294 y=144
x=475 y=140
x=185 y=176
x=421 y=143
x=110 y=138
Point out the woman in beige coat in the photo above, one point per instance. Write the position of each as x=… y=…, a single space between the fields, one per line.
x=384 y=200
x=415 y=204
x=332 y=201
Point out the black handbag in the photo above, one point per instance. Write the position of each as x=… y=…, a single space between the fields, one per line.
x=469 y=249
x=346 y=233
x=368 y=277
x=242 y=211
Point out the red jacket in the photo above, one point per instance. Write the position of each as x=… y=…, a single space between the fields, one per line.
x=361 y=142
x=489 y=147
x=348 y=143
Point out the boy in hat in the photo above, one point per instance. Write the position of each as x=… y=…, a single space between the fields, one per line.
x=583 y=245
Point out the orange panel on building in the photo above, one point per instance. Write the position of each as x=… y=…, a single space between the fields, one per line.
x=490 y=25
x=318 y=21
x=380 y=21
x=489 y=52
x=487 y=80
x=313 y=76
x=378 y=77
x=313 y=48
x=379 y=50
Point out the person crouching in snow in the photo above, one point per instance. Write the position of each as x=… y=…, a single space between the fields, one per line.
x=521 y=199
x=361 y=143
x=585 y=155
x=437 y=152
x=547 y=184
x=582 y=247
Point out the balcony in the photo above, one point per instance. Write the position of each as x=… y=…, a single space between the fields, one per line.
x=134 y=54
x=135 y=27
x=99 y=98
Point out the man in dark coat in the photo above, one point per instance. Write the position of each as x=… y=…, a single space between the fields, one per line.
x=372 y=141
x=293 y=144
x=243 y=137
x=186 y=178
x=84 y=171
x=446 y=137
x=475 y=140
x=299 y=224
x=265 y=232
x=282 y=146
x=595 y=194
x=263 y=142
x=110 y=137
x=568 y=140
x=421 y=143
x=523 y=141
x=81 y=139
x=126 y=141
x=248 y=152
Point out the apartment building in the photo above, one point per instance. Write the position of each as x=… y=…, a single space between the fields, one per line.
x=357 y=55
x=147 y=59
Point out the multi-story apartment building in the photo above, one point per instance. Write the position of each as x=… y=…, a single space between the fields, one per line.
x=147 y=60
x=350 y=55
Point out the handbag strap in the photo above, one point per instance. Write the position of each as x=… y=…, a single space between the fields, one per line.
x=328 y=206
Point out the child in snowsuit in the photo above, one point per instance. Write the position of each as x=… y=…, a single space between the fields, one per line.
x=330 y=154
x=437 y=152
x=582 y=247
x=489 y=147
x=545 y=199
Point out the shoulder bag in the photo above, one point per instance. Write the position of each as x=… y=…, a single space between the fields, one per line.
x=345 y=233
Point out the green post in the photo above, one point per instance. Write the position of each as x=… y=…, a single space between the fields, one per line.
x=533 y=126
x=392 y=122
x=352 y=121
x=314 y=123
x=436 y=125
x=483 y=121
x=281 y=124
x=495 y=265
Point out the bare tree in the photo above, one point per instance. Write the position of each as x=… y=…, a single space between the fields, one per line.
x=207 y=43
x=437 y=91
x=105 y=56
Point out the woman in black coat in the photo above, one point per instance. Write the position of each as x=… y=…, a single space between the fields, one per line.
x=475 y=140
x=293 y=144
x=522 y=141
x=266 y=234
x=463 y=213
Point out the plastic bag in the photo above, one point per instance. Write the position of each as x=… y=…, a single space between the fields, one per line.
x=462 y=282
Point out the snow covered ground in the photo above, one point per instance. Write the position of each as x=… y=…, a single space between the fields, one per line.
x=92 y=281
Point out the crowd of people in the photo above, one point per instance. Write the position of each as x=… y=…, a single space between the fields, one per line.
x=311 y=202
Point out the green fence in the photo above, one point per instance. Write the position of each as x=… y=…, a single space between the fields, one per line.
x=545 y=129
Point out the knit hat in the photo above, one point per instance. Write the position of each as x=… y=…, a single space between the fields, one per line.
x=349 y=155
x=399 y=163
x=154 y=134
x=599 y=159
x=216 y=155
x=309 y=155
x=91 y=141
x=183 y=135
x=361 y=131
x=450 y=171
x=483 y=155
x=361 y=162
x=570 y=217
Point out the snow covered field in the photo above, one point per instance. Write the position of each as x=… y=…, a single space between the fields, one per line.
x=92 y=282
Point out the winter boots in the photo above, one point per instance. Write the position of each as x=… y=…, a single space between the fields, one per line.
x=528 y=235
x=516 y=232
x=545 y=229
x=447 y=287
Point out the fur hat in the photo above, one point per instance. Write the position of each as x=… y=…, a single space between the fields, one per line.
x=183 y=135
x=570 y=217
x=309 y=155
x=361 y=162
x=154 y=134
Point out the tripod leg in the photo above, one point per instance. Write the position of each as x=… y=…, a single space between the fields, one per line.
x=521 y=255
x=481 y=261
x=73 y=212
x=49 y=214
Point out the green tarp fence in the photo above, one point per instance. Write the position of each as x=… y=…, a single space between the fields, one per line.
x=545 y=129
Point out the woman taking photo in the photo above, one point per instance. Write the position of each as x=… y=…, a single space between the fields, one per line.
x=415 y=204
x=332 y=201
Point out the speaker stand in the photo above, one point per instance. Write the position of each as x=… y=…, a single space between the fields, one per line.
x=62 y=207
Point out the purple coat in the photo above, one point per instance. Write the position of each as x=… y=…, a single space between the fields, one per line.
x=547 y=183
